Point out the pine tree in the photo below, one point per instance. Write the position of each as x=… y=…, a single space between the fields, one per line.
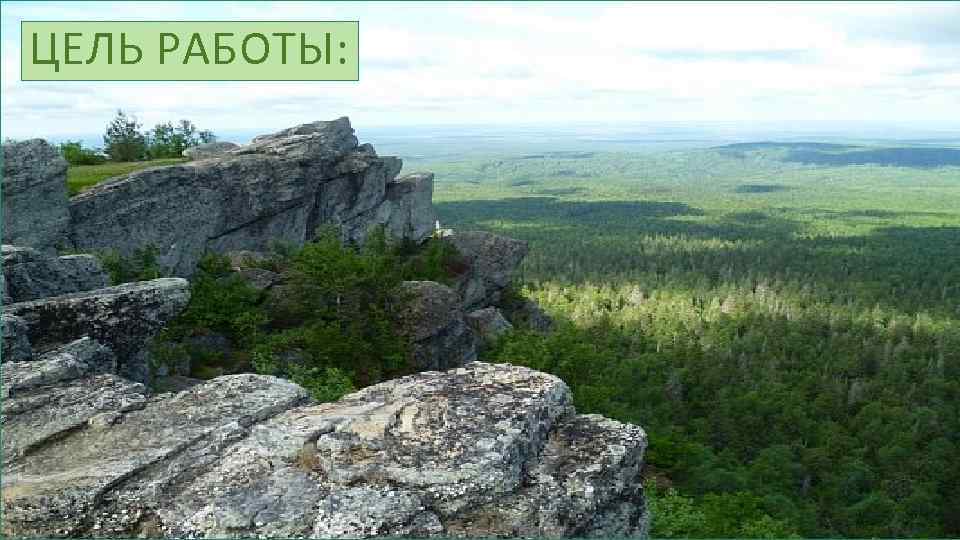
x=123 y=140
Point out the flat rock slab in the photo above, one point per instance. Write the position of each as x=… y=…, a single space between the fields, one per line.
x=482 y=450
x=71 y=484
x=428 y=454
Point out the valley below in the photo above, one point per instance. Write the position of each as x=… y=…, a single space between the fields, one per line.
x=782 y=318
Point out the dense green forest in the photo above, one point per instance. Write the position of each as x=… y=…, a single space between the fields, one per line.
x=787 y=333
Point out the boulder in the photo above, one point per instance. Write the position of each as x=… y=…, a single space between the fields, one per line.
x=432 y=319
x=492 y=261
x=123 y=318
x=34 y=195
x=488 y=323
x=30 y=274
x=482 y=450
x=208 y=150
x=278 y=188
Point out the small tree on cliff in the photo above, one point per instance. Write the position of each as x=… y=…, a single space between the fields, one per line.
x=123 y=140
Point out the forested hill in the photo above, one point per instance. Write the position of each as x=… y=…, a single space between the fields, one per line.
x=788 y=334
x=813 y=153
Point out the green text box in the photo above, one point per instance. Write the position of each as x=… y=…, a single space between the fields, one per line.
x=192 y=52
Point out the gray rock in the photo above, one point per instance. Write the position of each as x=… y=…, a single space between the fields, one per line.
x=492 y=260
x=365 y=512
x=279 y=188
x=106 y=481
x=586 y=484
x=359 y=188
x=58 y=392
x=316 y=140
x=431 y=318
x=488 y=323
x=483 y=450
x=208 y=150
x=34 y=195
x=124 y=318
x=72 y=361
x=16 y=344
x=30 y=274
x=407 y=211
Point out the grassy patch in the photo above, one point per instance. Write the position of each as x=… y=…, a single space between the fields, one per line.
x=83 y=177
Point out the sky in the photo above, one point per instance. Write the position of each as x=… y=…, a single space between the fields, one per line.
x=539 y=63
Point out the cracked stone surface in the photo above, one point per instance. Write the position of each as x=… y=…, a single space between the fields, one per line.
x=482 y=450
x=278 y=188
x=123 y=318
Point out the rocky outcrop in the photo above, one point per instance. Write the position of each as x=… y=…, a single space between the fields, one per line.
x=479 y=450
x=209 y=150
x=108 y=452
x=34 y=195
x=279 y=188
x=492 y=261
x=123 y=318
x=432 y=319
x=488 y=323
x=30 y=274
x=483 y=450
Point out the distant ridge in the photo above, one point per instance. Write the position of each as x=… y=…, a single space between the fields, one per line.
x=814 y=153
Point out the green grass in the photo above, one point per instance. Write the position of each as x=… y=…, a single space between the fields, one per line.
x=83 y=177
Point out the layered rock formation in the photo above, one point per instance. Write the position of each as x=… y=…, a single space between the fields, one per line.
x=29 y=274
x=482 y=450
x=124 y=318
x=478 y=450
x=34 y=195
x=278 y=188
x=50 y=302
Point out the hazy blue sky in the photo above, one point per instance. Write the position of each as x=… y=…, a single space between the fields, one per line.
x=541 y=62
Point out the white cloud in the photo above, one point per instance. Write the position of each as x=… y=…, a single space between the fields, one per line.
x=469 y=63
